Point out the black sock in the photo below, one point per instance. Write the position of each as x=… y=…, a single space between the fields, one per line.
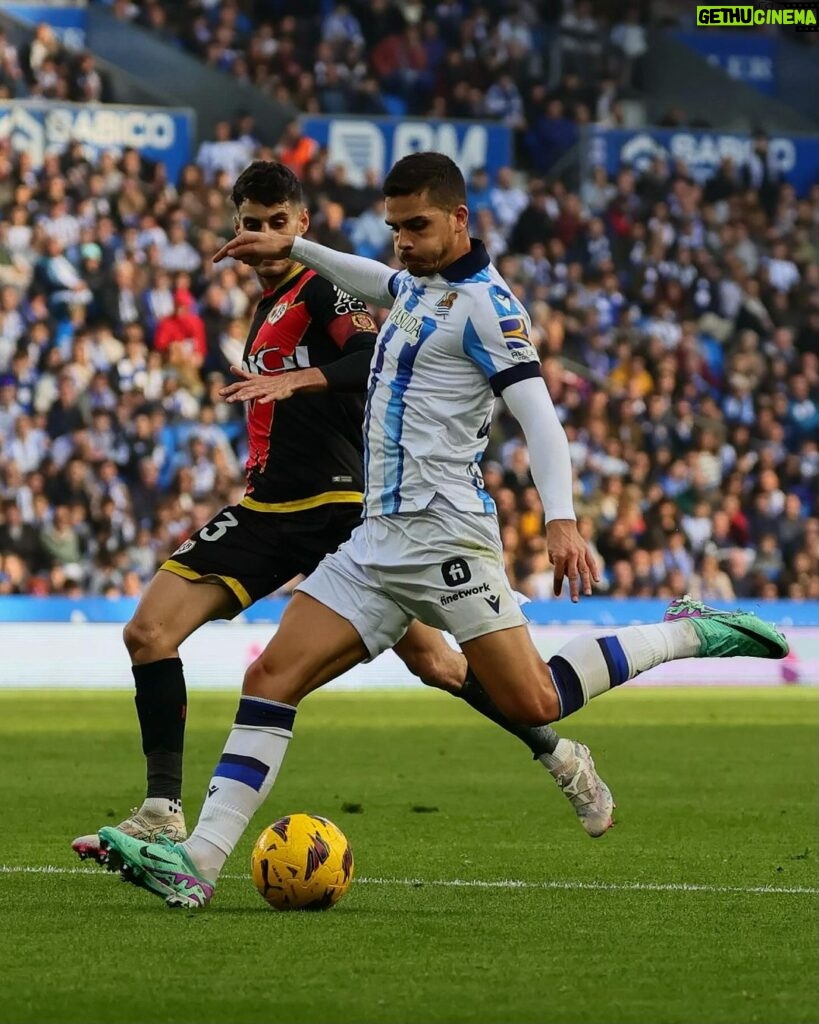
x=540 y=739
x=161 y=703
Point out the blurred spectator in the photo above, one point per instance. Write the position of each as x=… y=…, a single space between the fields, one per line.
x=629 y=37
x=295 y=149
x=581 y=44
x=224 y=153
x=551 y=135
x=711 y=584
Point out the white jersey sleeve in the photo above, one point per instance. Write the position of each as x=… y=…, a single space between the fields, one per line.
x=531 y=404
x=497 y=337
x=362 y=278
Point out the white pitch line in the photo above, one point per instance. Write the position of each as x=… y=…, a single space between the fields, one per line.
x=506 y=883
x=513 y=883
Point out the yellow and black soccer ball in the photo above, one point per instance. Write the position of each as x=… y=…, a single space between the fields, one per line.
x=302 y=862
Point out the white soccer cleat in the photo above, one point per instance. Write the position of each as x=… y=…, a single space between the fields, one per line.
x=579 y=782
x=144 y=824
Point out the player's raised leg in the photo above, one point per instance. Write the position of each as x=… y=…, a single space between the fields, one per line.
x=171 y=609
x=427 y=654
x=529 y=689
x=312 y=646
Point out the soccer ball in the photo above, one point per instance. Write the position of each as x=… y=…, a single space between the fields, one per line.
x=302 y=862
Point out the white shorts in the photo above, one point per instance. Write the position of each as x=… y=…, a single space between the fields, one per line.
x=441 y=566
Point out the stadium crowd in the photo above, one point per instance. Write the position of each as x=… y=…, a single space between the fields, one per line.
x=677 y=322
x=45 y=69
x=542 y=67
x=678 y=327
x=455 y=57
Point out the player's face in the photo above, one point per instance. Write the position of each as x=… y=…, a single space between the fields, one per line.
x=287 y=217
x=426 y=237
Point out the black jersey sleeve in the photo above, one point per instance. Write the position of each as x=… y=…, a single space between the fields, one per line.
x=352 y=371
x=350 y=327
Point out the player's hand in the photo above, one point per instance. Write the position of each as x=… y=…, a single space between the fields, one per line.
x=263 y=388
x=254 y=247
x=571 y=558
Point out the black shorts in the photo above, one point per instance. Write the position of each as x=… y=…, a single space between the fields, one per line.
x=253 y=553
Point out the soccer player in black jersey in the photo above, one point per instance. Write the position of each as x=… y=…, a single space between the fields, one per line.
x=304 y=375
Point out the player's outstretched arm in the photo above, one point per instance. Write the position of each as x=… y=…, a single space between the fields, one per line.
x=364 y=279
x=531 y=404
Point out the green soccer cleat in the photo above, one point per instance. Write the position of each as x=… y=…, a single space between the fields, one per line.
x=162 y=868
x=728 y=634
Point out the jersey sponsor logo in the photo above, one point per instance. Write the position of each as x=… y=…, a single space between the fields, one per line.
x=494 y=603
x=408 y=323
x=516 y=335
x=459 y=595
x=522 y=355
x=444 y=307
x=346 y=303
x=265 y=360
x=363 y=322
x=277 y=312
x=456 y=571
x=513 y=328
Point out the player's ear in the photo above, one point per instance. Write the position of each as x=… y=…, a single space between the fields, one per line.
x=237 y=225
x=461 y=215
x=303 y=222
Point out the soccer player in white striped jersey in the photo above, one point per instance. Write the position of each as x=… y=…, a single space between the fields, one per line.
x=429 y=545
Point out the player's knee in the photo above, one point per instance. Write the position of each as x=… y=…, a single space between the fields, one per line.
x=143 y=638
x=266 y=678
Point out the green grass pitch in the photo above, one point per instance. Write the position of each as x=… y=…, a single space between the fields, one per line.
x=699 y=906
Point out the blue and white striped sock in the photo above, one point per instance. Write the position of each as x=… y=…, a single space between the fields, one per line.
x=590 y=665
x=241 y=780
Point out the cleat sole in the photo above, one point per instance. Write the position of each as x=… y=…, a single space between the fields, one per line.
x=97 y=854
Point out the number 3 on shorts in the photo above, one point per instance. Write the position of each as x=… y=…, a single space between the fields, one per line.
x=219 y=528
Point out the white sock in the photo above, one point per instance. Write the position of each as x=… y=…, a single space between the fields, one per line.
x=160 y=806
x=241 y=781
x=562 y=752
x=590 y=665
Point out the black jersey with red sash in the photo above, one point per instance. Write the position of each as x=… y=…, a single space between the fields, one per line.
x=307 y=450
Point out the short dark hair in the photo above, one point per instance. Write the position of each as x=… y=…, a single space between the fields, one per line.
x=269 y=183
x=433 y=173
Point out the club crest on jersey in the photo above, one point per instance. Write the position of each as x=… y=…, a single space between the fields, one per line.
x=277 y=312
x=363 y=322
x=185 y=546
x=444 y=307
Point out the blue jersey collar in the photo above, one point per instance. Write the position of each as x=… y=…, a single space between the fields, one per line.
x=471 y=263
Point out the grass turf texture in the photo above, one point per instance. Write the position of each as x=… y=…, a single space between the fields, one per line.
x=714 y=788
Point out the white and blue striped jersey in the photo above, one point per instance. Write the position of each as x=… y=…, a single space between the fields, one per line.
x=450 y=344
